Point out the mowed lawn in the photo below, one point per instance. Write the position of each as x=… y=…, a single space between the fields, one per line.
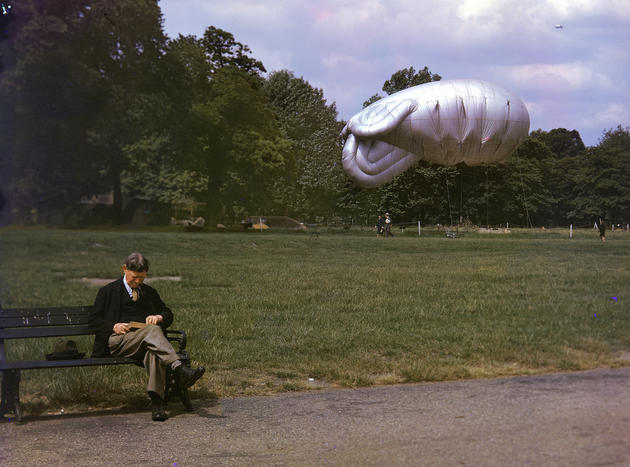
x=268 y=312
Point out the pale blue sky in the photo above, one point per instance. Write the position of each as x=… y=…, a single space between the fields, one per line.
x=574 y=77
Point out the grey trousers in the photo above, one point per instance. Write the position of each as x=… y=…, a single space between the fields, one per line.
x=150 y=345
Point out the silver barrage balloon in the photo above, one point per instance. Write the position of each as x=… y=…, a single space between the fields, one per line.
x=443 y=122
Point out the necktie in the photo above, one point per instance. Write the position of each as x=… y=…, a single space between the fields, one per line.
x=135 y=293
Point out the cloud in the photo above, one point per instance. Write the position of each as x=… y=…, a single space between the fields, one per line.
x=559 y=78
x=612 y=115
x=475 y=9
x=335 y=59
x=569 y=77
x=250 y=12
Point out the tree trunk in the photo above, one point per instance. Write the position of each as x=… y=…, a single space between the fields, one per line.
x=114 y=172
x=213 y=206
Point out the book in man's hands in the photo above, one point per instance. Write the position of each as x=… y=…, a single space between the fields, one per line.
x=136 y=324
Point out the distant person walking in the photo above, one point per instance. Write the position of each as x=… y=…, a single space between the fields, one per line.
x=380 y=224
x=388 y=225
x=602 y=229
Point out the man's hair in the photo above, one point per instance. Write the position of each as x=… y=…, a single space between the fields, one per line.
x=137 y=262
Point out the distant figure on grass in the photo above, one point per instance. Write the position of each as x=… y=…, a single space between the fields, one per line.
x=380 y=224
x=125 y=300
x=602 y=229
x=388 y=225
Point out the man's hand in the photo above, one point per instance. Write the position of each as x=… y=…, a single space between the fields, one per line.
x=121 y=328
x=154 y=319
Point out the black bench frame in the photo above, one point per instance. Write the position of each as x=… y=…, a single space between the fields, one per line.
x=25 y=323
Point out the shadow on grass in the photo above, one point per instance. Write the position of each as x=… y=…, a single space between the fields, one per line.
x=203 y=403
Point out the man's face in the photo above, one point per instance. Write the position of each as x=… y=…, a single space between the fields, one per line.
x=134 y=278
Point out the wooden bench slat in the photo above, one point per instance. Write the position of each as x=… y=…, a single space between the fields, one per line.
x=28 y=321
x=46 y=331
x=38 y=364
x=55 y=310
x=24 y=317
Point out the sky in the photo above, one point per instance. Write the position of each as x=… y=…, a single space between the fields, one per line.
x=568 y=60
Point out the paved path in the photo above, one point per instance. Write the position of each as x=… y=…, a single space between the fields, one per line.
x=567 y=419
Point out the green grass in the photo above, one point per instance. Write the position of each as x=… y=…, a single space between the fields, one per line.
x=265 y=312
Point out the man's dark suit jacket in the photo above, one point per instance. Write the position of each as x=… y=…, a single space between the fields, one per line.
x=106 y=312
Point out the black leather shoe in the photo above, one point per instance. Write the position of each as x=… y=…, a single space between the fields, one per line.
x=158 y=414
x=188 y=376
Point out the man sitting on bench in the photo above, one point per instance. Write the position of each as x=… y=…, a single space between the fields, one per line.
x=127 y=319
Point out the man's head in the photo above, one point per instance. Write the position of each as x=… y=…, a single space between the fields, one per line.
x=135 y=269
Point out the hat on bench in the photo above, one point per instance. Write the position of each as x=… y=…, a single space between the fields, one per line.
x=65 y=350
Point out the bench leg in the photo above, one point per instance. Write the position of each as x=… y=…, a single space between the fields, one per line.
x=11 y=393
x=172 y=388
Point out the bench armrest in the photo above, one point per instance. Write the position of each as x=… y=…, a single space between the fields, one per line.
x=176 y=336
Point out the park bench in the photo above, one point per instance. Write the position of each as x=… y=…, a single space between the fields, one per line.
x=27 y=323
x=451 y=234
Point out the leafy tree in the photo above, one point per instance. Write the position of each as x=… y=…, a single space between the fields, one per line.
x=6 y=119
x=602 y=188
x=6 y=17
x=158 y=164
x=258 y=173
x=233 y=111
x=420 y=193
x=311 y=126
x=407 y=78
x=403 y=79
x=561 y=142
x=521 y=186
x=565 y=148
x=372 y=99
x=84 y=84
x=227 y=131
x=46 y=96
x=222 y=50
x=152 y=175
x=128 y=43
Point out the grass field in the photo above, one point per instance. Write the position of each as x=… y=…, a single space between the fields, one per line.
x=267 y=312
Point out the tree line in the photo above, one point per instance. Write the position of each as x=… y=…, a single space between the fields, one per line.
x=96 y=99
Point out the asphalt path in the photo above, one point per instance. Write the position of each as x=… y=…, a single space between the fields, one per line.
x=567 y=419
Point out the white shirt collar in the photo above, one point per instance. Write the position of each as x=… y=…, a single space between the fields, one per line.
x=127 y=287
